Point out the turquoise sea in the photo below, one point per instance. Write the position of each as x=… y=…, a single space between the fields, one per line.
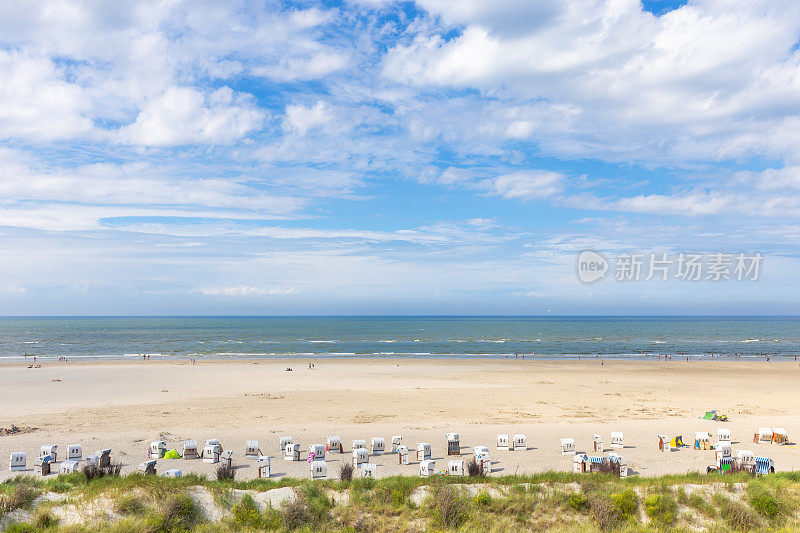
x=443 y=337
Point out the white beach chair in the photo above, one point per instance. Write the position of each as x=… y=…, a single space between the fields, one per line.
x=503 y=442
x=597 y=441
x=702 y=440
x=251 y=450
x=92 y=460
x=378 y=445
x=211 y=453
x=190 y=449
x=51 y=450
x=617 y=440
x=779 y=436
x=214 y=442
x=477 y=450
x=263 y=464
x=579 y=463
x=615 y=458
x=453 y=444
x=157 y=449
x=319 y=470
x=663 y=443
x=226 y=458
x=427 y=468
x=402 y=453
x=360 y=456
x=285 y=441
x=68 y=467
x=745 y=459
x=103 y=457
x=368 y=470
x=146 y=467
x=74 y=452
x=334 y=444
x=455 y=467
x=396 y=440
x=764 y=435
x=359 y=443
x=172 y=473
x=722 y=450
x=42 y=465
x=18 y=461
x=567 y=446
x=423 y=451
x=484 y=461
x=520 y=442
x=318 y=451
x=291 y=452
x=724 y=435
x=623 y=467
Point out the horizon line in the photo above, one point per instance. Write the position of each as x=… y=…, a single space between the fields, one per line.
x=414 y=316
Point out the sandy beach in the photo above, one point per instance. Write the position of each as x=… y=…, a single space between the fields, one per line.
x=124 y=405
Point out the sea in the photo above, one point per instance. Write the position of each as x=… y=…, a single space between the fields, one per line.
x=309 y=338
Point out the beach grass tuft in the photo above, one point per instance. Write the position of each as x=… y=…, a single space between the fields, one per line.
x=346 y=472
x=449 y=508
x=473 y=468
x=16 y=496
x=662 y=509
x=226 y=472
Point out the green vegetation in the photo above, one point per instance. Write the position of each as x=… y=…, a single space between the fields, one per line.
x=625 y=503
x=16 y=495
x=661 y=509
x=735 y=513
x=766 y=501
x=550 y=501
x=247 y=515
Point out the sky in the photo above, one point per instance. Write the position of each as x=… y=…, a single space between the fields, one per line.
x=381 y=157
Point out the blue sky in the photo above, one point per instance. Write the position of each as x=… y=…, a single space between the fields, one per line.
x=379 y=157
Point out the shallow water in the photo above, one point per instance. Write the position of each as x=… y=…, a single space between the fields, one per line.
x=416 y=337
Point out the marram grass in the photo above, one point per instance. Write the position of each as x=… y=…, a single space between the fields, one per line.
x=550 y=501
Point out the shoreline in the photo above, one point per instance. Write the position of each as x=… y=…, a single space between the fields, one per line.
x=21 y=360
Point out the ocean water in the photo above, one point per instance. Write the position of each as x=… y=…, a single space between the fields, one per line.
x=445 y=337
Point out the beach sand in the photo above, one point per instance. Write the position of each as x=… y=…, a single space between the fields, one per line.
x=125 y=405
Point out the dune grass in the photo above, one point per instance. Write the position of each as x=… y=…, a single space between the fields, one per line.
x=550 y=501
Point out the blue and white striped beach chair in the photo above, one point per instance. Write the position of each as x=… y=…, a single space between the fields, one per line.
x=724 y=464
x=764 y=465
x=597 y=464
